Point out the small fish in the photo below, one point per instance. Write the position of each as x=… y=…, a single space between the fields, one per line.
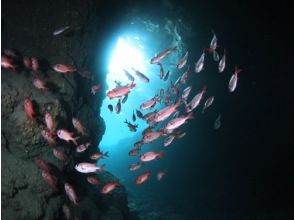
x=60 y=155
x=150 y=136
x=139 y=114
x=208 y=103
x=83 y=147
x=48 y=136
x=120 y=91
x=60 y=30
x=222 y=63
x=217 y=122
x=215 y=56
x=66 y=212
x=29 y=109
x=166 y=76
x=196 y=100
x=234 y=79
x=125 y=99
x=132 y=127
x=136 y=166
x=8 y=63
x=79 y=126
x=98 y=156
x=86 y=74
x=180 y=134
x=27 y=62
x=35 y=65
x=70 y=192
x=134 y=152
x=149 y=103
x=161 y=75
x=89 y=167
x=200 y=63
x=93 y=180
x=40 y=84
x=109 y=187
x=50 y=179
x=177 y=122
x=141 y=75
x=134 y=116
x=176 y=114
x=168 y=140
x=183 y=61
x=118 y=107
x=143 y=177
x=63 y=68
x=129 y=75
x=185 y=76
x=67 y=136
x=164 y=113
x=110 y=107
x=42 y=164
x=160 y=56
x=213 y=42
x=160 y=174
x=151 y=155
x=95 y=89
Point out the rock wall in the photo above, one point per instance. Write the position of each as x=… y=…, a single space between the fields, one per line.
x=27 y=26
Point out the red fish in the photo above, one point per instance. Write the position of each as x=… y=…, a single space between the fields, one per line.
x=7 y=63
x=50 y=179
x=151 y=155
x=93 y=180
x=83 y=147
x=109 y=187
x=48 y=136
x=63 y=68
x=40 y=84
x=70 y=192
x=79 y=126
x=143 y=177
x=67 y=136
x=35 y=65
x=120 y=91
x=27 y=62
x=97 y=156
x=196 y=100
x=200 y=63
x=134 y=152
x=136 y=166
x=49 y=121
x=177 y=122
x=43 y=165
x=234 y=79
x=160 y=56
x=28 y=105
x=183 y=61
x=60 y=155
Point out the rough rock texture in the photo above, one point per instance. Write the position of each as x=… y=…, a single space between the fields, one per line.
x=28 y=27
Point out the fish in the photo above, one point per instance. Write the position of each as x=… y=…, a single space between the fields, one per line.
x=60 y=30
x=234 y=79
x=67 y=136
x=125 y=99
x=97 y=156
x=134 y=116
x=35 y=65
x=139 y=114
x=42 y=164
x=160 y=174
x=168 y=140
x=149 y=115
x=208 y=103
x=50 y=179
x=27 y=63
x=183 y=61
x=157 y=58
x=136 y=166
x=143 y=177
x=164 y=113
x=166 y=76
x=66 y=212
x=161 y=75
x=150 y=103
x=64 y=68
x=8 y=63
x=88 y=167
x=109 y=187
x=176 y=114
x=48 y=136
x=29 y=109
x=79 y=126
x=200 y=63
x=85 y=73
x=83 y=147
x=213 y=42
x=186 y=93
x=132 y=127
x=185 y=76
x=93 y=180
x=95 y=89
x=222 y=63
x=150 y=136
x=174 y=88
x=141 y=75
x=177 y=122
x=70 y=192
x=11 y=53
x=60 y=155
x=129 y=75
x=110 y=107
x=215 y=56
x=151 y=155
x=161 y=92
x=120 y=91
x=40 y=84
x=134 y=152
x=196 y=100
x=217 y=122
x=118 y=107
x=180 y=134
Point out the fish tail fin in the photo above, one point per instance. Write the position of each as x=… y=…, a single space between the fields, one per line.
x=160 y=154
x=74 y=140
x=237 y=69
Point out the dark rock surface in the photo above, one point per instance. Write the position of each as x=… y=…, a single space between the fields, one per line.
x=27 y=26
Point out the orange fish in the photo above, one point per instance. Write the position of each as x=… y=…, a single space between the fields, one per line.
x=109 y=187
x=143 y=177
x=28 y=105
x=62 y=68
